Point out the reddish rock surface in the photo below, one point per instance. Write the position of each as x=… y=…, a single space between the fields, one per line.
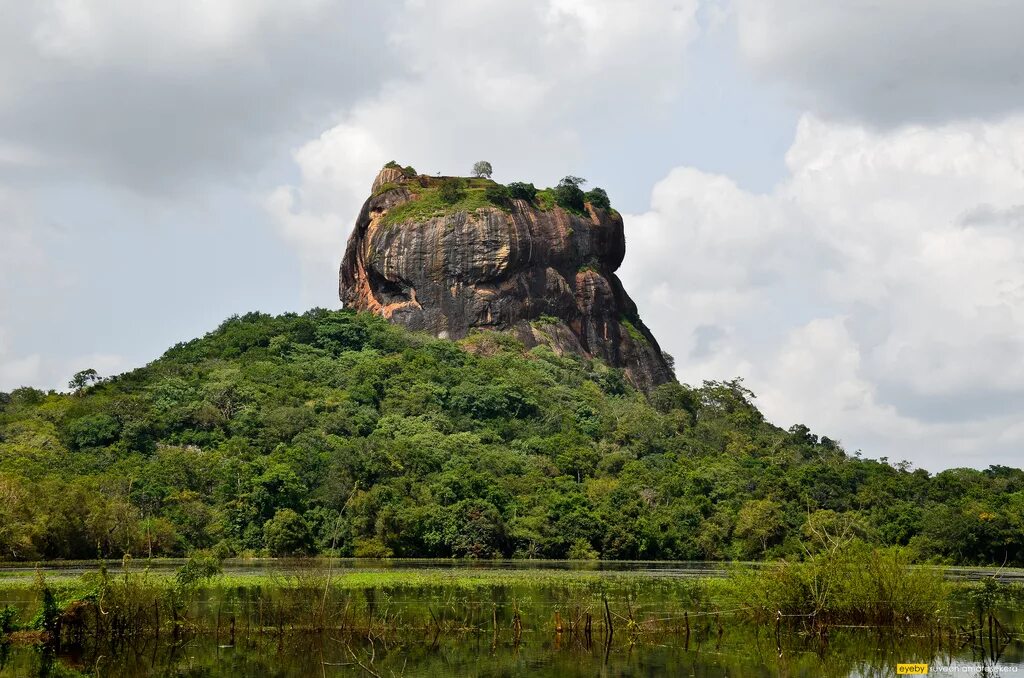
x=547 y=276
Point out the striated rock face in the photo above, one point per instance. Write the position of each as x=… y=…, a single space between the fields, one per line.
x=547 y=276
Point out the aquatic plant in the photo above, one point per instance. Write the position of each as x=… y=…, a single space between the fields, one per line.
x=855 y=583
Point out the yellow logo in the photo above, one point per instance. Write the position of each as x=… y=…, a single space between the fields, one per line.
x=911 y=669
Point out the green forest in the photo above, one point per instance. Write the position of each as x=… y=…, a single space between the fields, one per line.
x=336 y=432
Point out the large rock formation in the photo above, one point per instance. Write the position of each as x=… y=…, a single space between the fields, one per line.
x=545 y=275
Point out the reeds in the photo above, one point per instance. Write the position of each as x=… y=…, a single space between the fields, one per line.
x=850 y=586
x=857 y=584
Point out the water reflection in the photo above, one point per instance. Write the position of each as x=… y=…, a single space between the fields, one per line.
x=739 y=652
x=499 y=630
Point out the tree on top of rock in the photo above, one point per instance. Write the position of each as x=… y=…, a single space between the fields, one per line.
x=568 y=193
x=482 y=169
x=598 y=197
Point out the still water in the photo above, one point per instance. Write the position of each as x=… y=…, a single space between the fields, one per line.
x=739 y=652
x=713 y=648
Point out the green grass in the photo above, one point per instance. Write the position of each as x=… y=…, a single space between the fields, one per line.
x=385 y=187
x=633 y=332
x=855 y=584
x=427 y=204
x=545 y=320
x=545 y=199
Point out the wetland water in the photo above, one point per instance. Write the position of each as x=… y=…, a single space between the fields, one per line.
x=453 y=618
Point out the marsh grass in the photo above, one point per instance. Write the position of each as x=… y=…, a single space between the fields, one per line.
x=854 y=585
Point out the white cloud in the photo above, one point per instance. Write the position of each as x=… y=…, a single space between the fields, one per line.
x=527 y=85
x=874 y=295
x=17 y=372
x=890 y=63
x=33 y=370
x=157 y=96
x=333 y=181
x=29 y=278
x=22 y=248
x=164 y=35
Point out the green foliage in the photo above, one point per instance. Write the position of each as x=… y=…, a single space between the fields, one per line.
x=581 y=550
x=633 y=332
x=286 y=534
x=296 y=433
x=451 y=190
x=26 y=395
x=8 y=617
x=598 y=198
x=852 y=583
x=385 y=187
x=522 y=191
x=198 y=569
x=95 y=430
x=545 y=199
x=83 y=379
x=482 y=168
x=497 y=194
x=48 y=617
x=545 y=319
x=569 y=195
x=428 y=202
x=372 y=547
x=409 y=171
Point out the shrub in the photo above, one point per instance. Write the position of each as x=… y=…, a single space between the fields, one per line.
x=451 y=190
x=286 y=534
x=48 y=617
x=581 y=550
x=522 y=191
x=372 y=547
x=493 y=400
x=598 y=198
x=853 y=583
x=199 y=568
x=497 y=194
x=94 y=430
x=568 y=193
x=409 y=171
x=8 y=615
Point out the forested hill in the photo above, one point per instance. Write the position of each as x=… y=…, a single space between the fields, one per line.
x=295 y=433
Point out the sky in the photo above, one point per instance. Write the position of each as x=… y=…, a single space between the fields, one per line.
x=825 y=199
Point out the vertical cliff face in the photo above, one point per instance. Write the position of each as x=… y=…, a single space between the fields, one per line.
x=536 y=270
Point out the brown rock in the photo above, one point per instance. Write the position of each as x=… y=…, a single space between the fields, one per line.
x=547 y=276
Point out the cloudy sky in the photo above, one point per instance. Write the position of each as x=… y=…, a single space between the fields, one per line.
x=826 y=199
